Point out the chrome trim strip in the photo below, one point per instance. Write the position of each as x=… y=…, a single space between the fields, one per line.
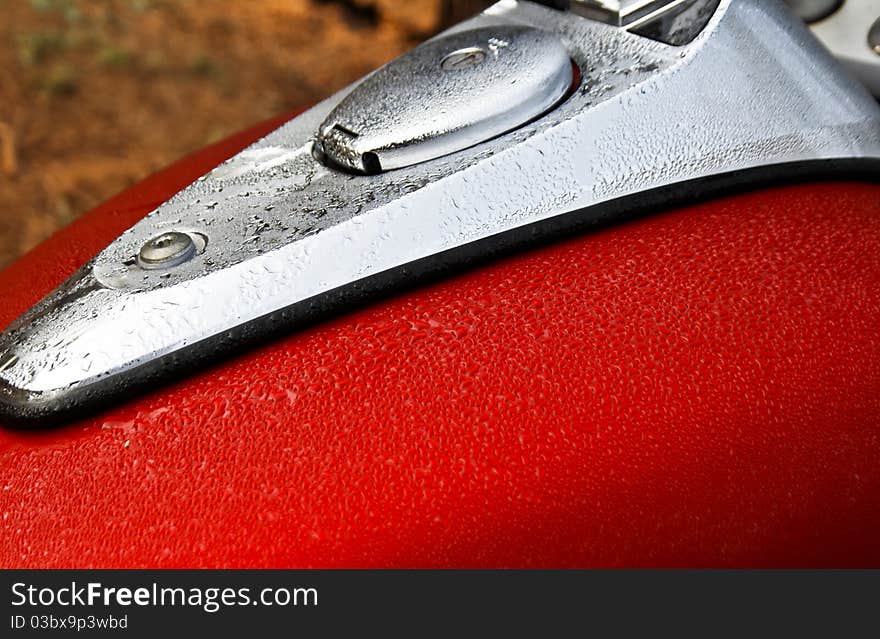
x=753 y=90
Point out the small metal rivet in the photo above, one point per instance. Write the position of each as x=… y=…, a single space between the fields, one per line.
x=166 y=250
x=874 y=37
x=463 y=59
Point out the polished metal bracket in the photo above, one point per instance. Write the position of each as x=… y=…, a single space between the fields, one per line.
x=289 y=229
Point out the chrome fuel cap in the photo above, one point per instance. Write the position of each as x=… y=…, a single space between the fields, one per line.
x=446 y=95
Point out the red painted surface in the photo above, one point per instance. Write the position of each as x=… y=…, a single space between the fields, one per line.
x=701 y=387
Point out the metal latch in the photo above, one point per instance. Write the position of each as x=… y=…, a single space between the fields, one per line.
x=447 y=95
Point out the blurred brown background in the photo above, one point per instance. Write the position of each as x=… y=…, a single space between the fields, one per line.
x=97 y=94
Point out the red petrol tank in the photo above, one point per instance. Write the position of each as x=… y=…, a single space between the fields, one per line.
x=700 y=387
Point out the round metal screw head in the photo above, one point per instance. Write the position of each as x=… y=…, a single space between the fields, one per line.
x=166 y=250
x=463 y=59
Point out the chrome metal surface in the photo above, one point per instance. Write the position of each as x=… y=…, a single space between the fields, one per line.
x=8 y=361
x=674 y=22
x=874 y=37
x=814 y=10
x=446 y=95
x=846 y=33
x=619 y=13
x=678 y=23
x=288 y=234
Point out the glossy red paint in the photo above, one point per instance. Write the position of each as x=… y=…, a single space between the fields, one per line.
x=698 y=388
